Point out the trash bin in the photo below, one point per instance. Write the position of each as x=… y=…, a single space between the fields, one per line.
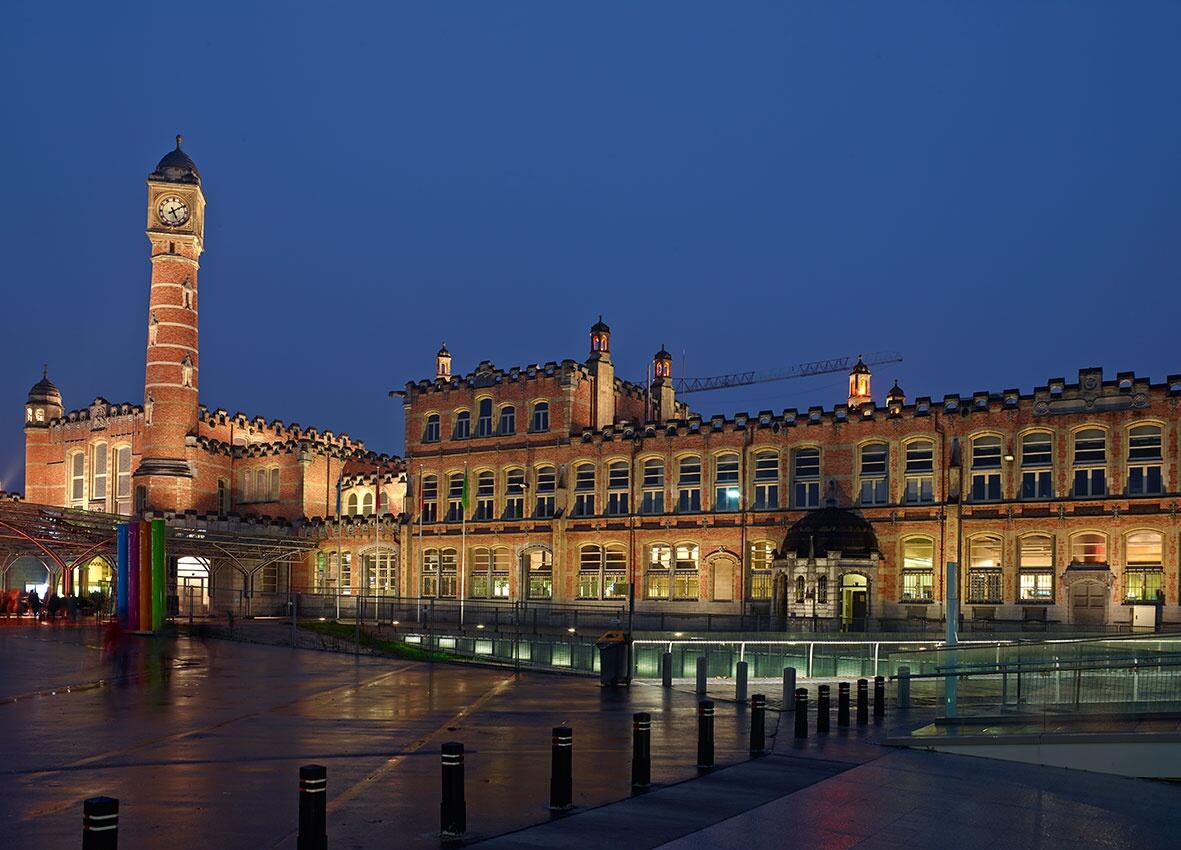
x=614 y=668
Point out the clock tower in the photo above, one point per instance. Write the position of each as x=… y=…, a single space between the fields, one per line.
x=176 y=233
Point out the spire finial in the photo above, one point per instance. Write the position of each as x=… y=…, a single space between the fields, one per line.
x=179 y=139
x=45 y=372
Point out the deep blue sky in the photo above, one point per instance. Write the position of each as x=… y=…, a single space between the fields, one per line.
x=991 y=188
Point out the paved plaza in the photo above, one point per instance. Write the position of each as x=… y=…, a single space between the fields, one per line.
x=201 y=742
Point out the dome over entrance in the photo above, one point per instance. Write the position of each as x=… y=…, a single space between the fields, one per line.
x=831 y=529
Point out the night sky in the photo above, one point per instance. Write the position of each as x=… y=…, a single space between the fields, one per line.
x=990 y=188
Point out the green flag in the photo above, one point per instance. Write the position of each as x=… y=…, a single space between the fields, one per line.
x=465 y=500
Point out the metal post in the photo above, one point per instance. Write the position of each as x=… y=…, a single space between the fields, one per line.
x=740 y=683
x=641 y=749
x=701 y=671
x=862 y=702
x=801 y=709
x=561 y=781
x=823 y=715
x=879 y=696
x=789 y=688
x=453 y=808
x=951 y=638
x=666 y=670
x=705 y=733
x=313 y=823
x=843 y=704
x=904 y=687
x=758 y=725
x=357 y=626
x=100 y=823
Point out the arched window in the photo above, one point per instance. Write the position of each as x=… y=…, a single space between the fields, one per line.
x=123 y=481
x=1090 y=463
x=801 y=590
x=984 y=568
x=1144 y=461
x=1037 y=465
x=379 y=572
x=546 y=490
x=986 y=469
x=455 y=497
x=77 y=480
x=463 y=425
x=352 y=504
x=822 y=590
x=805 y=476
x=274 y=483
x=429 y=574
x=429 y=497
x=508 y=421
x=659 y=574
x=652 y=499
x=618 y=488
x=920 y=472
x=540 y=420
x=762 y=558
x=1143 y=565
x=484 y=417
x=539 y=566
x=875 y=489
x=383 y=502
x=686 y=572
x=1035 y=561
x=485 y=495
x=584 y=490
x=727 y=483
x=766 y=481
x=367 y=503
x=1088 y=547
x=448 y=571
x=514 y=494
x=489 y=574
x=247 y=479
x=262 y=484
x=430 y=431
x=602 y=571
x=918 y=569
x=689 y=485
x=98 y=474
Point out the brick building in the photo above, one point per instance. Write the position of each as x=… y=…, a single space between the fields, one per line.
x=1058 y=504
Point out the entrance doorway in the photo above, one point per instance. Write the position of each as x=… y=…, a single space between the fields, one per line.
x=854 y=602
x=192 y=587
x=1088 y=603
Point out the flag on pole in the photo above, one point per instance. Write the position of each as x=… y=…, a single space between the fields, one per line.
x=338 y=496
x=465 y=498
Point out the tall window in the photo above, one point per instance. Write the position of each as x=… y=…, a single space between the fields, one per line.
x=508 y=421
x=485 y=495
x=766 y=481
x=984 y=568
x=1035 y=563
x=98 y=474
x=383 y=502
x=1088 y=547
x=659 y=575
x=584 y=489
x=247 y=479
x=262 y=485
x=1144 y=571
x=686 y=575
x=448 y=582
x=1090 y=463
x=762 y=558
x=463 y=425
x=484 y=418
x=986 y=469
x=618 y=485
x=918 y=569
x=801 y=590
x=514 y=494
x=430 y=573
x=430 y=431
x=727 y=486
x=490 y=574
x=540 y=420
x=1144 y=461
x=652 y=498
x=920 y=472
x=539 y=564
x=455 y=497
x=806 y=478
x=366 y=501
x=346 y=573
x=353 y=504
x=689 y=485
x=546 y=492
x=77 y=480
x=875 y=488
x=275 y=485
x=430 y=499
x=602 y=572
x=379 y=573
x=1037 y=466
x=123 y=482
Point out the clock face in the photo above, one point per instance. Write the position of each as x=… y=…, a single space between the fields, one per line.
x=173 y=211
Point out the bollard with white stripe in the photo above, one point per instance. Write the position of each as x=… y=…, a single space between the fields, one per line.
x=561 y=780
x=641 y=749
x=100 y=823
x=705 y=733
x=313 y=794
x=453 y=808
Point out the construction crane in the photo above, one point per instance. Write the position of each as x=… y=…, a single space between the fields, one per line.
x=803 y=370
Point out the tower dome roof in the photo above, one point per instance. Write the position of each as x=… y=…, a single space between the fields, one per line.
x=859 y=368
x=443 y=352
x=830 y=529
x=600 y=327
x=176 y=167
x=45 y=391
x=895 y=393
x=663 y=354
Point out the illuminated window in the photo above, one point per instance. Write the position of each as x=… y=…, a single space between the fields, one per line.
x=766 y=481
x=1143 y=572
x=658 y=578
x=366 y=503
x=806 y=478
x=762 y=558
x=727 y=486
x=801 y=591
x=1144 y=461
x=1090 y=463
x=602 y=572
x=539 y=565
x=379 y=572
x=1037 y=462
x=984 y=568
x=920 y=477
x=1089 y=547
x=874 y=481
x=1035 y=561
x=448 y=582
x=918 y=569
x=429 y=574
x=986 y=469
x=686 y=573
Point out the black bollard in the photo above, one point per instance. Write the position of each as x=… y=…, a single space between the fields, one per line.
x=641 y=749
x=879 y=696
x=758 y=725
x=822 y=710
x=862 y=702
x=561 y=780
x=100 y=823
x=843 y=704
x=705 y=733
x=313 y=794
x=453 y=809
x=801 y=709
